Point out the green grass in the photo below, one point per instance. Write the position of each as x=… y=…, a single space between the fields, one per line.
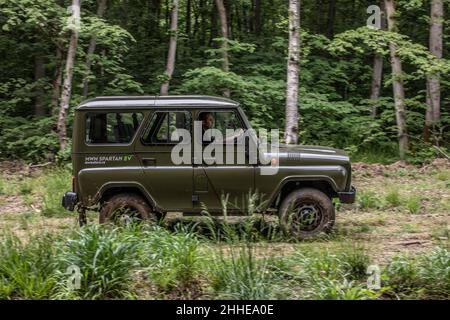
x=423 y=277
x=27 y=269
x=172 y=260
x=368 y=199
x=105 y=258
x=392 y=198
x=240 y=275
x=51 y=186
x=414 y=204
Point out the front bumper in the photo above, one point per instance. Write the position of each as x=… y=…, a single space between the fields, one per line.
x=348 y=196
x=69 y=200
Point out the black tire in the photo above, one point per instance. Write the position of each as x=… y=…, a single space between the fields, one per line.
x=306 y=212
x=125 y=205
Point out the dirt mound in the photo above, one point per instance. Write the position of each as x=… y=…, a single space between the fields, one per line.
x=380 y=169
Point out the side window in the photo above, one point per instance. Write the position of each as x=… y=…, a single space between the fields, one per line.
x=112 y=127
x=227 y=122
x=164 y=123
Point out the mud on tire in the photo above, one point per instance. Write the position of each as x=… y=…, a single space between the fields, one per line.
x=121 y=207
x=306 y=212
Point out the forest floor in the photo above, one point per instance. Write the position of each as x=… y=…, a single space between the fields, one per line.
x=400 y=209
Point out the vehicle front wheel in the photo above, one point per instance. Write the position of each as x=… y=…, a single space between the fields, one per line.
x=126 y=208
x=306 y=212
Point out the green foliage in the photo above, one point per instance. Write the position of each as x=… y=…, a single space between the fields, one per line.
x=27 y=139
x=393 y=197
x=240 y=276
x=105 y=258
x=50 y=189
x=414 y=204
x=426 y=276
x=368 y=199
x=27 y=268
x=172 y=260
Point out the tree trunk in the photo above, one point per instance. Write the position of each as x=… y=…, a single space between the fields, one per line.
x=291 y=129
x=39 y=73
x=257 y=16
x=171 y=56
x=224 y=33
x=188 y=18
x=320 y=14
x=70 y=61
x=330 y=18
x=92 y=44
x=397 y=83
x=57 y=81
x=433 y=113
x=377 y=73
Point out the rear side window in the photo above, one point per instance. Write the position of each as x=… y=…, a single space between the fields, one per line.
x=112 y=127
x=163 y=125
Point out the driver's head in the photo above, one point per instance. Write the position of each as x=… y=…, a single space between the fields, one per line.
x=207 y=119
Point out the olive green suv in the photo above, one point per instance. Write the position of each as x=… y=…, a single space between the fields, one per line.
x=128 y=162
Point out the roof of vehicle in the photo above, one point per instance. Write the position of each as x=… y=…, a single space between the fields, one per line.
x=134 y=102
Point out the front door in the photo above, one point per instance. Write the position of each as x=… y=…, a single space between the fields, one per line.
x=169 y=184
x=221 y=179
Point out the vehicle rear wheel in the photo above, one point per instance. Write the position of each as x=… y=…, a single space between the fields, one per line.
x=306 y=212
x=126 y=208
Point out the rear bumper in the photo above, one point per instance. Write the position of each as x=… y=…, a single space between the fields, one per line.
x=348 y=196
x=69 y=200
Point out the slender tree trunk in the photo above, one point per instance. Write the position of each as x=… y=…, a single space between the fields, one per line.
x=171 y=56
x=257 y=17
x=92 y=44
x=39 y=73
x=291 y=129
x=319 y=16
x=57 y=81
x=433 y=113
x=67 y=85
x=377 y=73
x=188 y=18
x=330 y=18
x=397 y=83
x=224 y=33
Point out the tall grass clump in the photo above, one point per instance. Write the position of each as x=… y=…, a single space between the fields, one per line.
x=393 y=197
x=337 y=274
x=51 y=185
x=250 y=228
x=27 y=268
x=2 y=186
x=423 y=277
x=105 y=258
x=237 y=274
x=414 y=204
x=172 y=260
x=368 y=200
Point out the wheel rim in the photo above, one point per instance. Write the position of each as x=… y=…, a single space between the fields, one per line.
x=305 y=216
x=125 y=215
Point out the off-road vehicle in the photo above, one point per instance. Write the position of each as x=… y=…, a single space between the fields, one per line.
x=122 y=164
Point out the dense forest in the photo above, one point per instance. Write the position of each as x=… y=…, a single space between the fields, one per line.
x=314 y=69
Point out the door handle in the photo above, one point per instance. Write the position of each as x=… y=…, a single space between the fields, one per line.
x=148 y=161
